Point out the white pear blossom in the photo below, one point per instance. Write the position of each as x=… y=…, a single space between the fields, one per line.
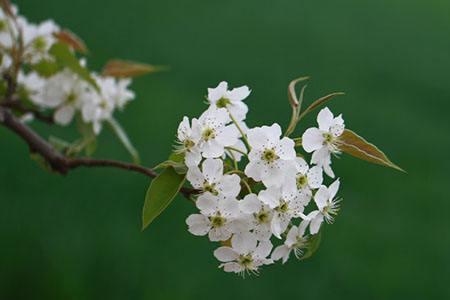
x=219 y=218
x=38 y=39
x=246 y=254
x=286 y=206
x=295 y=241
x=97 y=110
x=212 y=180
x=259 y=216
x=327 y=206
x=188 y=143
x=66 y=93
x=324 y=141
x=115 y=89
x=272 y=159
x=213 y=133
x=221 y=97
x=306 y=179
x=33 y=85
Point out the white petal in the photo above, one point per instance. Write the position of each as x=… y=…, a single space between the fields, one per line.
x=239 y=94
x=207 y=203
x=229 y=207
x=270 y=196
x=64 y=115
x=291 y=237
x=250 y=204
x=184 y=129
x=273 y=132
x=325 y=119
x=280 y=252
x=195 y=177
x=225 y=254
x=312 y=139
x=212 y=149
x=302 y=166
x=253 y=170
x=232 y=267
x=263 y=249
x=212 y=170
x=279 y=224
x=218 y=92
x=229 y=185
x=257 y=137
x=315 y=177
x=285 y=149
x=228 y=136
x=333 y=188
x=198 y=224
x=244 y=243
x=192 y=158
x=321 y=197
x=315 y=224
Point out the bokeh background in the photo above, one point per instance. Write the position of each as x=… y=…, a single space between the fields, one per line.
x=79 y=237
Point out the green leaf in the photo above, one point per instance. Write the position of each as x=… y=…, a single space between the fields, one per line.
x=355 y=145
x=160 y=194
x=319 y=102
x=313 y=245
x=123 y=68
x=88 y=141
x=123 y=137
x=66 y=58
x=176 y=161
x=46 y=68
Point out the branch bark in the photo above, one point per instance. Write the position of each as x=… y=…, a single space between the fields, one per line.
x=63 y=164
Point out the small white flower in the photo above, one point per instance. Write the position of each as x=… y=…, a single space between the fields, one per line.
x=33 y=84
x=65 y=92
x=259 y=216
x=245 y=256
x=97 y=110
x=295 y=241
x=213 y=134
x=306 y=179
x=188 y=144
x=219 y=218
x=271 y=159
x=324 y=141
x=38 y=39
x=221 y=97
x=116 y=90
x=212 y=180
x=285 y=207
x=327 y=206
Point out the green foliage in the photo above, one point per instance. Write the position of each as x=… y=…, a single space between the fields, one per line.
x=46 y=68
x=313 y=245
x=176 y=161
x=66 y=58
x=160 y=194
x=355 y=145
x=124 y=139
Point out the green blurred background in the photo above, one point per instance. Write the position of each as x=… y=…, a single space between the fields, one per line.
x=79 y=237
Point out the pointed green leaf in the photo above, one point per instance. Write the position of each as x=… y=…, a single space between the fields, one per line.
x=160 y=194
x=318 y=103
x=355 y=145
x=176 y=161
x=313 y=245
x=66 y=58
x=125 y=140
x=46 y=68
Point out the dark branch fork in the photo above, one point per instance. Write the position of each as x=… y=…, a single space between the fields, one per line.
x=56 y=160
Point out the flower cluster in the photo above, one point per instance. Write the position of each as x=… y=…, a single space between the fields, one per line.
x=26 y=55
x=256 y=190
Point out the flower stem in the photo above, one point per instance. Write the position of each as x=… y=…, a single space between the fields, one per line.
x=244 y=137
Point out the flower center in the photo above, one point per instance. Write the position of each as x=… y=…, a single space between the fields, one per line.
x=223 y=102
x=207 y=187
x=2 y=25
x=283 y=207
x=330 y=210
x=71 y=98
x=208 y=134
x=217 y=221
x=269 y=155
x=262 y=217
x=302 y=181
x=104 y=104
x=40 y=43
x=328 y=138
x=188 y=144
x=245 y=261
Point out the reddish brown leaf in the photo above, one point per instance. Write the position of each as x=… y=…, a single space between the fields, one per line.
x=71 y=39
x=122 y=68
x=355 y=145
x=319 y=102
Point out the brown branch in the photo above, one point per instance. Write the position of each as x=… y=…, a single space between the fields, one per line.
x=63 y=164
x=17 y=106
